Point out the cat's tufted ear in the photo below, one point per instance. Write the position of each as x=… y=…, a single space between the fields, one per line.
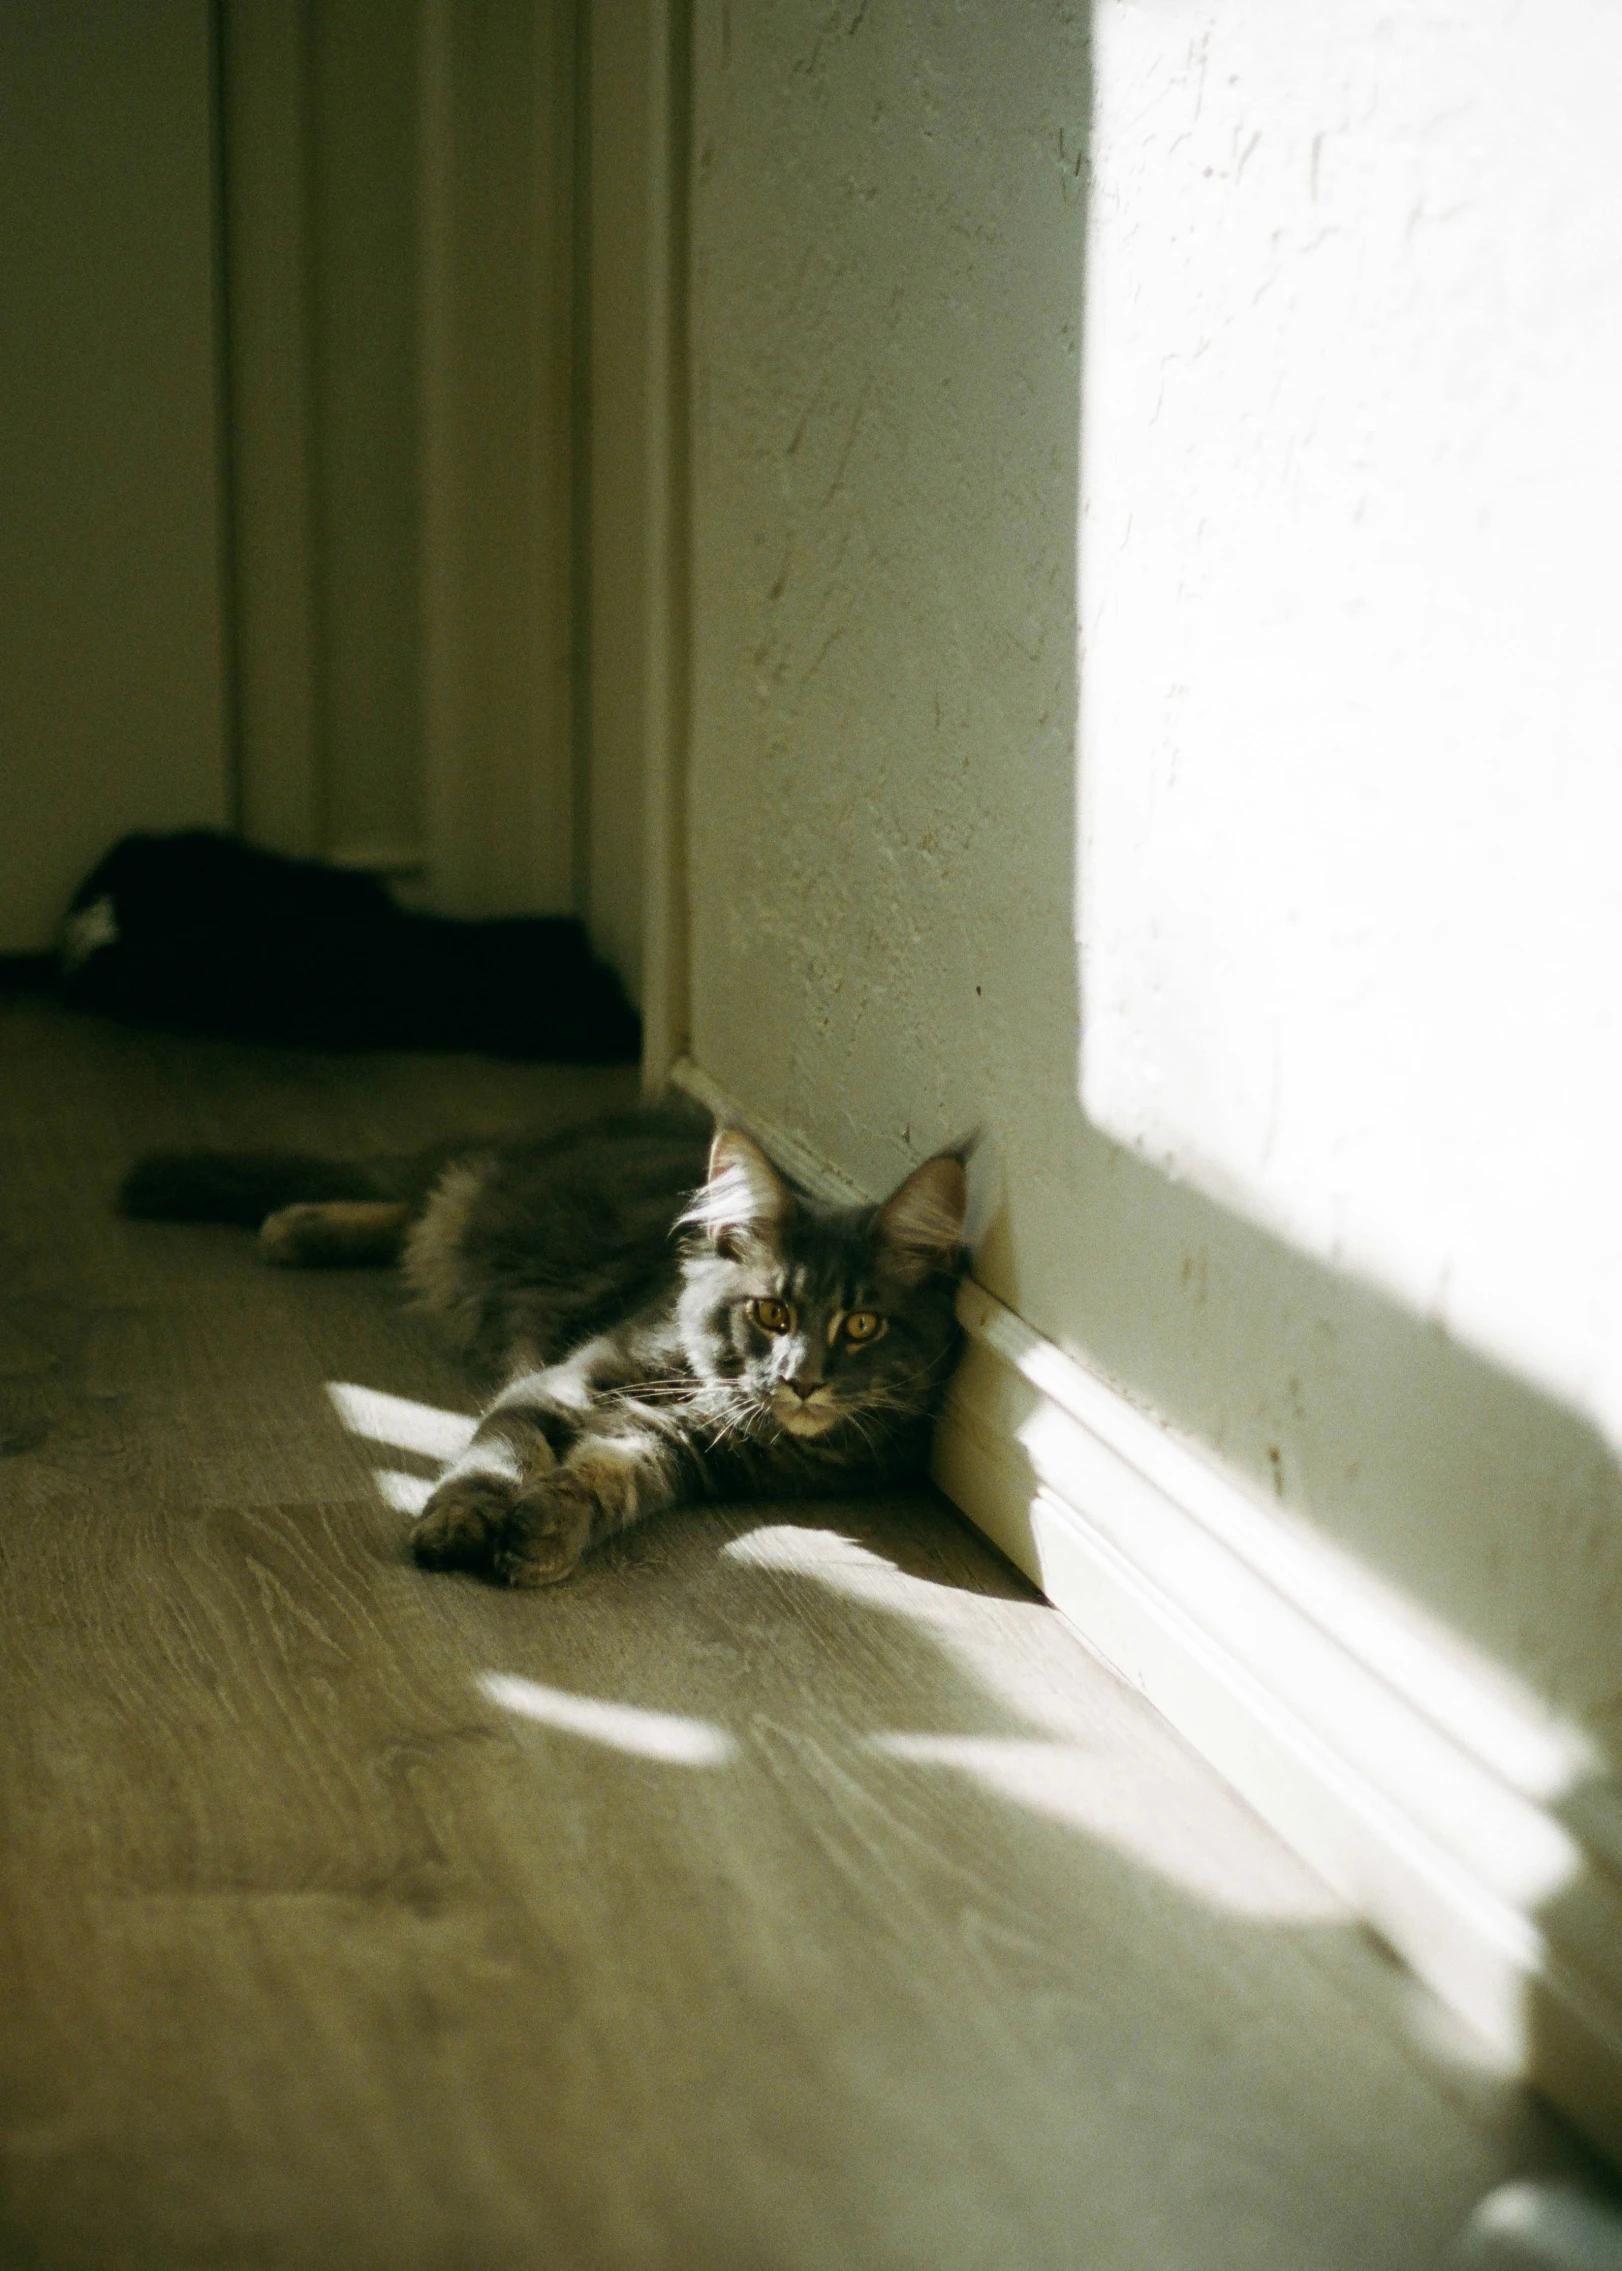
x=744 y=1198
x=921 y=1222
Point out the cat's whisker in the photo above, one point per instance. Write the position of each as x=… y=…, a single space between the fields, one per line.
x=904 y=1393
x=855 y=1420
x=733 y=1422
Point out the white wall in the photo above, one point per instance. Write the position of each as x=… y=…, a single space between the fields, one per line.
x=1340 y=1202
x=1352 y=713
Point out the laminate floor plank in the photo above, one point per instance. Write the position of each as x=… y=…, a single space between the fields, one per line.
x=792 y=1889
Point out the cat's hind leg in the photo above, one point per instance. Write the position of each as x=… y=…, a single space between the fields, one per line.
x=335 y=1234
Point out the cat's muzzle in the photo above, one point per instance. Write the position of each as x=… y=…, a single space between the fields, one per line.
x=804 y=1415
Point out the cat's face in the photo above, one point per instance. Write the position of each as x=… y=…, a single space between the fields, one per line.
x=821 y=1318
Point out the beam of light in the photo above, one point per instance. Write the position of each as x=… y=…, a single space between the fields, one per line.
x=407 y=1494
x=1111 y=1796
x=1084 y=1762
x=1291 y=996
x=398 y=1421
x=978 y=1632
x=661 y=1735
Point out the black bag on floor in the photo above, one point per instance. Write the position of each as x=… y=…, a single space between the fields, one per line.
x=207 y=935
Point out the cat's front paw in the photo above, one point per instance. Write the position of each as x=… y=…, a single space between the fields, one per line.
x=548 y=1527
x=459 y=1526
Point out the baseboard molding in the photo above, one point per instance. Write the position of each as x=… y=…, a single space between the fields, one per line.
x=1456 y=1815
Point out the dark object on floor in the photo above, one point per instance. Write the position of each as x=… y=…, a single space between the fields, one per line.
x=207 y=935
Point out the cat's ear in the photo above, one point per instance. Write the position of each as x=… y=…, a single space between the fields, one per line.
x=921 y=1222
x=744 y=1198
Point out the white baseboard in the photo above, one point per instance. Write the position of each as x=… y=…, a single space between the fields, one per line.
x=1450 y=1808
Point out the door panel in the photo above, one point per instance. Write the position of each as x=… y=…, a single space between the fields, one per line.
x=400 y=200
x=112 y=684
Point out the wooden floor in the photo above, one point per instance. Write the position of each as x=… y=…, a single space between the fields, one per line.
x=792 y=1889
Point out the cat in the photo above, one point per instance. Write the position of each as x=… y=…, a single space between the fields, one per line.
x=671 y=1318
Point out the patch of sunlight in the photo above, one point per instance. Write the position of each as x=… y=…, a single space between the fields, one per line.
x=1088 y=1762
x=401 y=1423
x=980 y=1632
x=1542 y=2227
x=407 y=1494
x=661 y=1735
x=1110 y=1795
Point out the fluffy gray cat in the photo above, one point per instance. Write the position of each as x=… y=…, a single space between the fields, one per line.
x=672 y=1319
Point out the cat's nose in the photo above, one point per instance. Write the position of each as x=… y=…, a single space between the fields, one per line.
x=804 y=1388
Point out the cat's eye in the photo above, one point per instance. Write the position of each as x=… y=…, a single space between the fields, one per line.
x=863 y=1325
x=772 y=1316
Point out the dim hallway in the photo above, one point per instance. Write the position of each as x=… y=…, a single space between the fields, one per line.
x=792 y=1889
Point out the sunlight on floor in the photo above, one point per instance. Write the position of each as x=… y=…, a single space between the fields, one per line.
x=1107 y=1794
x=407 y=1494
x=1066 y=1764
x=399 y=1422
x=661 y=1735
x=1069 y=1767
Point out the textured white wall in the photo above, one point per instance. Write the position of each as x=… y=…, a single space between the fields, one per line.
x=1333 y=302
x=886 y=317
x=1352 y=713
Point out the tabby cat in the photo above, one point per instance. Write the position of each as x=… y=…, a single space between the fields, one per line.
x=671 y=1318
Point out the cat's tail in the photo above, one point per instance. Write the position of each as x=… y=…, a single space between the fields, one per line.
x=244 y=1186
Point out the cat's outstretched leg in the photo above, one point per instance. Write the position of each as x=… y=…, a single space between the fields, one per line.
x=549 y=1472
x=610 y=1478
x=531 y=1424
x=461 y=1522
x=457 y=1528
